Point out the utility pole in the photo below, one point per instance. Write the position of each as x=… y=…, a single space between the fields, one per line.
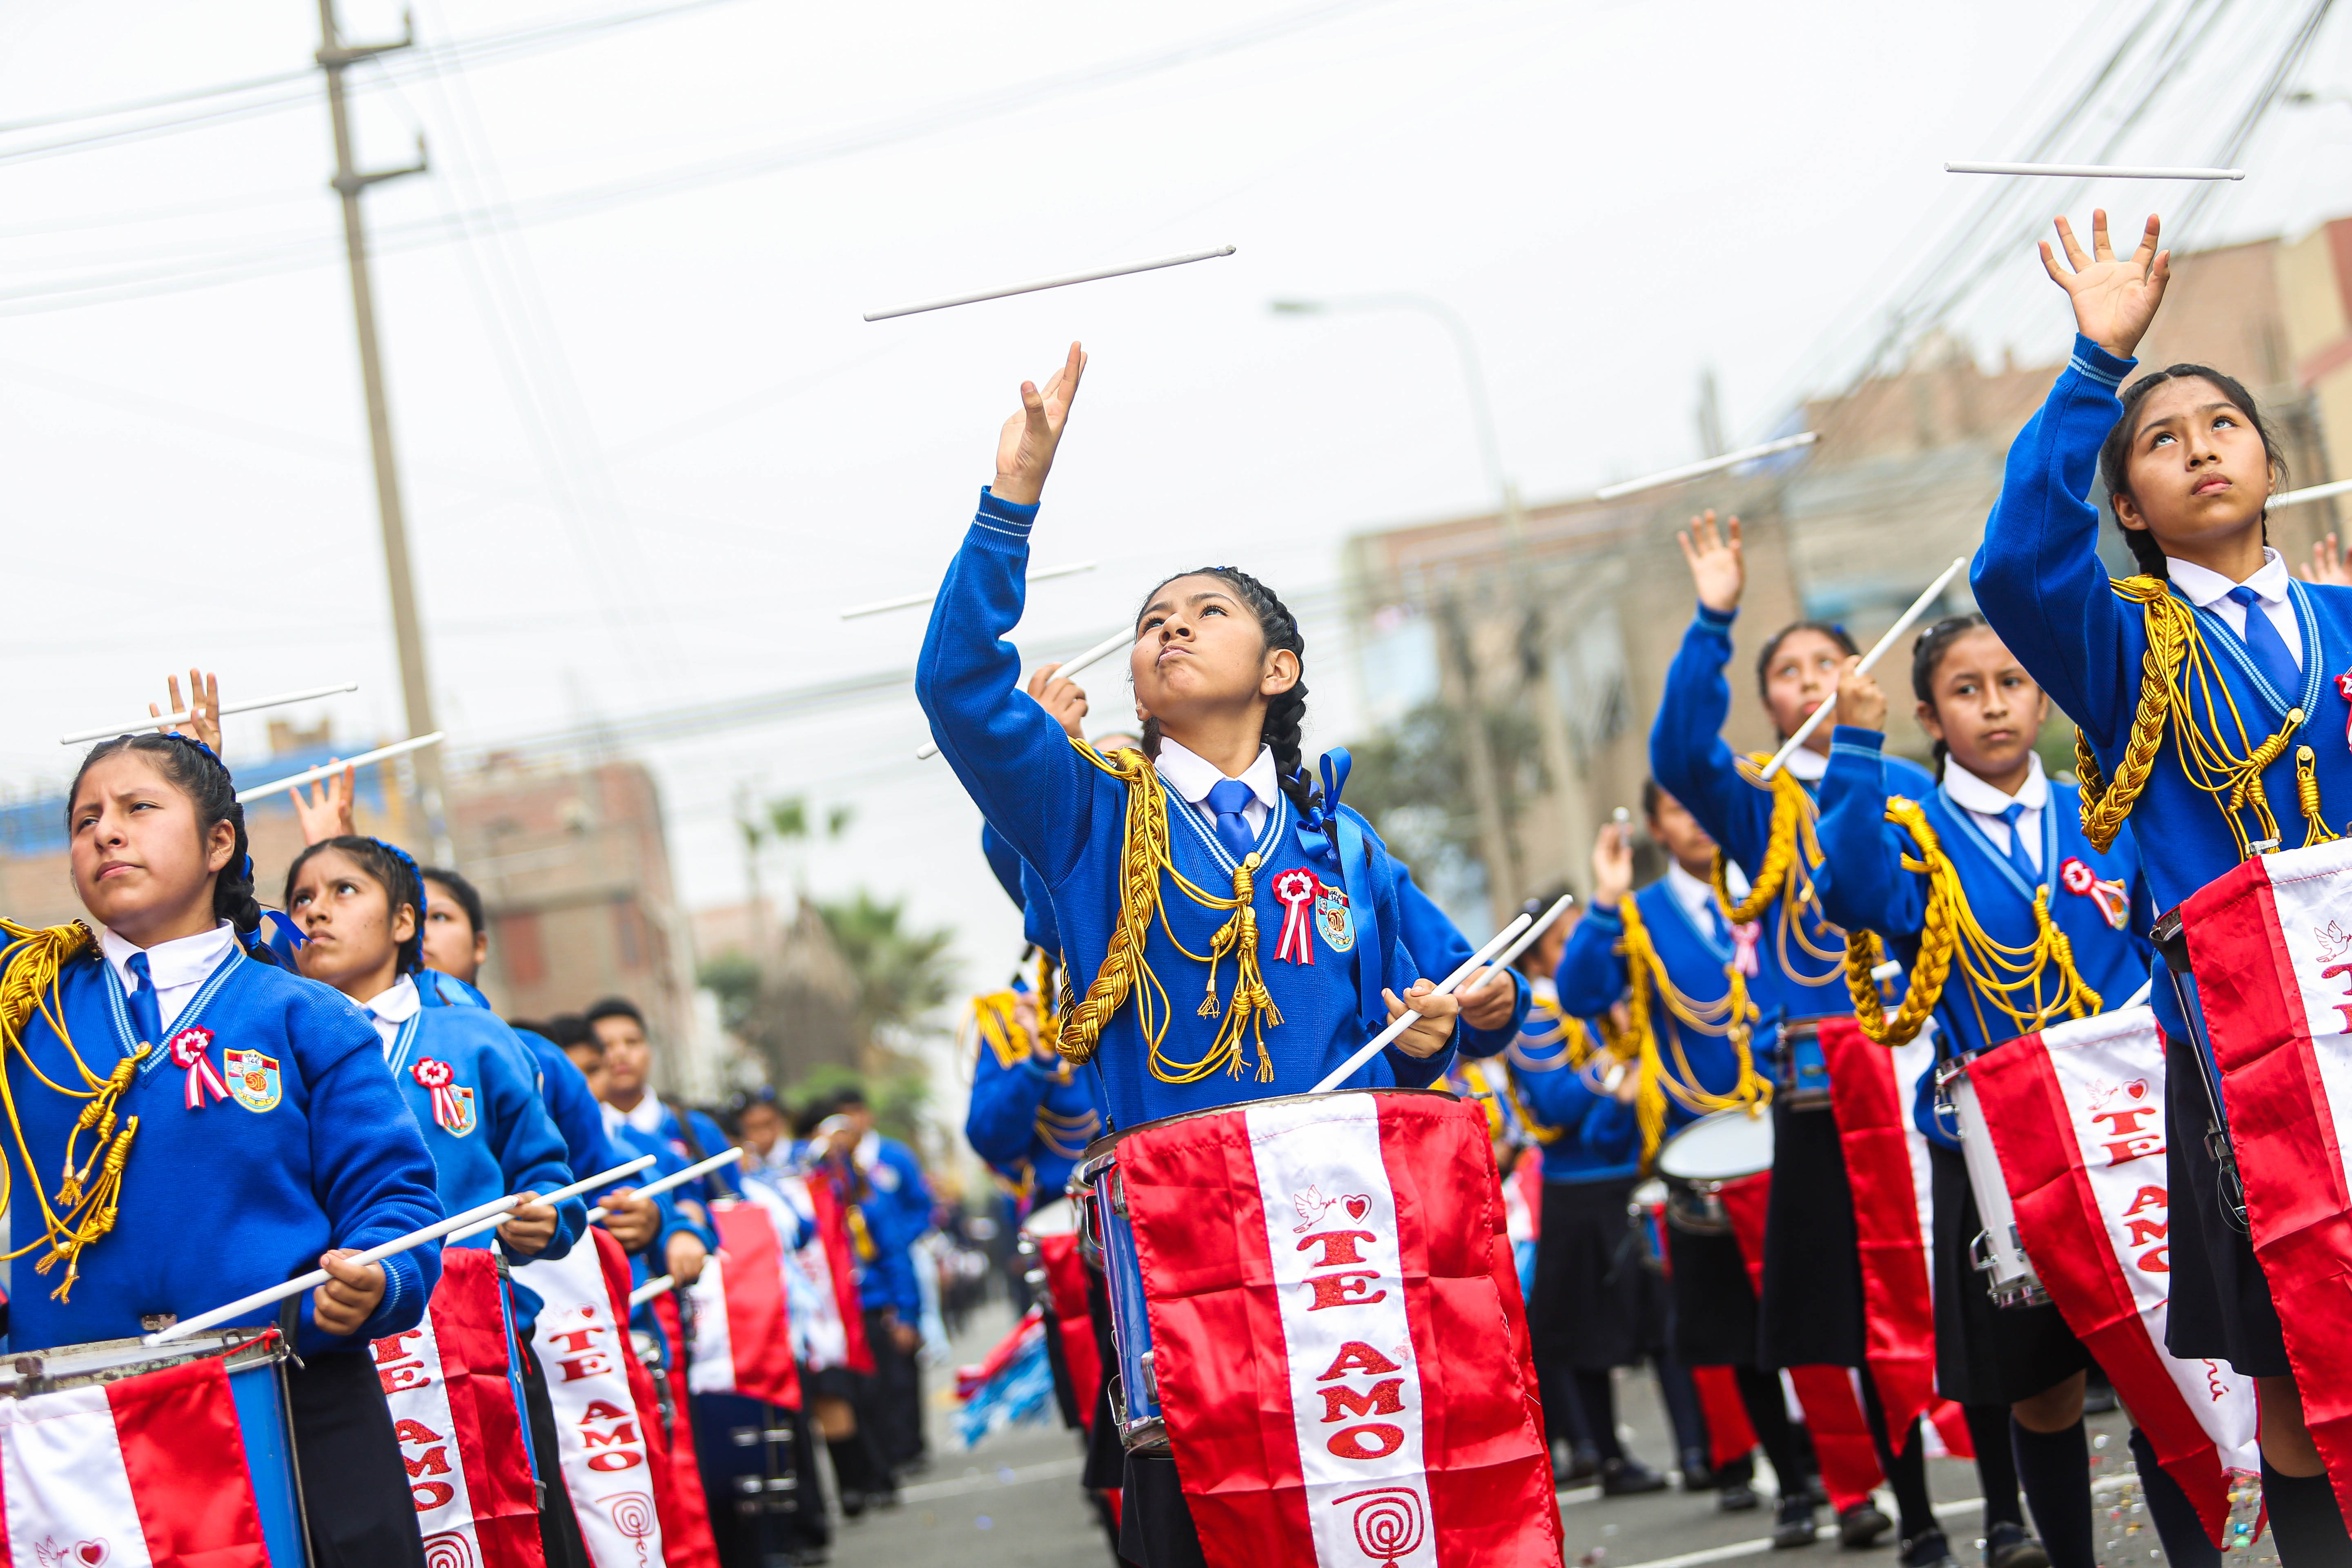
x=334 y=58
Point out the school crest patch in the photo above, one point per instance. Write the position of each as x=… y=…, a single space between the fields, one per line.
x=252 y=1080
x=1333 y=919
x=452 y=1102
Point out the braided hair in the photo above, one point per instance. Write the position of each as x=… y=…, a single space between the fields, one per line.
x=1927 y=657
x=2114 y=453
x=394 y=871
x=1285 y=714
x=195 y=771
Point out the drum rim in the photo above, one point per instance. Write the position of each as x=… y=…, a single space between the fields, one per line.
x=1087 y=1167
x=1061 y=1205
x=98 y=1362
x=1761 y=1114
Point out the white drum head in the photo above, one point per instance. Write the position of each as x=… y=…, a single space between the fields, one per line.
x=1650 y=1194
x=1059 y=1217
x=1718 y=1147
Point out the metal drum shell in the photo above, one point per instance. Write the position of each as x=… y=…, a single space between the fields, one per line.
x=1998 y=1252
x=1800 y=1075
x=1107 y=1232
x=1693 y=1202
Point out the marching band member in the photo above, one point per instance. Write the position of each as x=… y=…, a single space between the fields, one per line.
x=1809 y=1312
x=218 y=1171
x=1217 y=666
x=2030 y=925
x=2214 y=636
x=358 y=903
x=1669 y=956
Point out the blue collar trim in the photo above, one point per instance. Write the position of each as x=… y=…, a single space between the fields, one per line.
x=118 y=1008
x=1957 y=820
x=2234 y=647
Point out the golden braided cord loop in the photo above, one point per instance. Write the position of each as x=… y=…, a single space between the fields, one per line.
x=1138 y=900
x=2306 y=798
x=999 y=1028
x=1734 y=1017
x=2170 y=628
x=1790 y=806
x=1939 y=939
x=1051 y=989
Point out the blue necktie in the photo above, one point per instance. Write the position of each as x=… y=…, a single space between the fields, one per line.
x=1721 y=932
x=2017 y=855
x=146 y=1012
x=1228 y=798
x=2261 y=638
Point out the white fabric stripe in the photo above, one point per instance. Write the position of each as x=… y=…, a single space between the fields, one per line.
x=416 y=1389
x=2311 y=891
x=2110 y=1072
x=68 y=1494
x=1320 y=1175
x=1913 y=1062
x=599 y=1440
x=712 y=1369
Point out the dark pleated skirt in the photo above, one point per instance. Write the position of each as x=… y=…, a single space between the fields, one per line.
x=1810 y=1311
x=1987 y=1354
x=1587 y=1313
x=2219 y=1307
x=1713 y=1305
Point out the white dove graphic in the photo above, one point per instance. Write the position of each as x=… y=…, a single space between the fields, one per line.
x=1311 y=1205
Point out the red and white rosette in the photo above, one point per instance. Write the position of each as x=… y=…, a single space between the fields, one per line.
x=2113 y=897
x=191 y=1051
x=438 y=1075
x=1296 y=889
x=1744 y=938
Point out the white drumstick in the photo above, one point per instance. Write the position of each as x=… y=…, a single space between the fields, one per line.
x=108 y=731
x=2316 y=492
x=651 y=1288
x=676 y=1178
x=317 y=1277
x=1094 y=655
x=314 y=774
x=1373 y=1046
x=1910 y=617
x=602 y=1179
x=909 y=601
x=2095 y=171
x=1692 y=471
x=1061 y=282
x=1890 y=970
x=1527 y=939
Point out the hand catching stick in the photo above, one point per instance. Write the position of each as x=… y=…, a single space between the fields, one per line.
x=1373 y=1046
x=1910 y=617
x=675 y=1179
x=651 y=1288
x=1692 y=471
x=1062 y=282
x=295 y=1287
x=1094 y=655
x=603 y=1179
x=314 y=774
x=909 y=601
x=107 y=732
x=2095 y=171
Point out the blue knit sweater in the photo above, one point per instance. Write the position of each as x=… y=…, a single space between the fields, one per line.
x=313 y=1150
x=2039 y=580
x=1068 y=819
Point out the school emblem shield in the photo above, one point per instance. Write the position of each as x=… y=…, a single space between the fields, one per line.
x=1333 y=919
x=452 y=1108
x=252 y=1080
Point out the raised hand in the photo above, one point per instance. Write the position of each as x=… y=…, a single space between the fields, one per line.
x=1025 y=452
x=202 y=710
x=2331 y=564
x=1064 y=699
x=1860 y=702
x=1717 y=568
x=1612 y=866
x=2114 y=301
x=324 y=808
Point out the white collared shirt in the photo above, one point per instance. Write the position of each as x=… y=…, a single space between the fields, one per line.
x=1985 y=804
x=1807 y=764
x=646 y=1116
x=177 y=967
x=1696 y=897
x=394 y=1007
x=1192 y=776
x=2209 y=590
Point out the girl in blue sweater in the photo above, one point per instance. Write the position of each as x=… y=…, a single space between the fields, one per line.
x=2191 y=467
x=248 y=1129
x=1210 y=837
x=2046 y=929
x=1809 y=1312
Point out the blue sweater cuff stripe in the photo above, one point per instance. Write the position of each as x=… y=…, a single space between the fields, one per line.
x=1003 y=516
x=1717 y=620
x=2099 y=365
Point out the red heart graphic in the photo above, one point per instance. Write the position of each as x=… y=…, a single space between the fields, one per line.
x=92 y=1552
x=1358 y=1206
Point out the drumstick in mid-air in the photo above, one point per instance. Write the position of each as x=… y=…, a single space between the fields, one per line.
x=1094 y=655
x=2095 y=171
x=909 y=601
x=153 y=722
x=1373 y=1046
x=312 y=775
x=1062 y=282
x=1910 y=617
x=1712 y=465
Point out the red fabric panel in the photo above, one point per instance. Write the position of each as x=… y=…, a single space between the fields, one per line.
x=1066 y=1286
x=758 y=1330
x=1849 y=1471
x=469 y=1328
x=186 y=1457
x=1730 y=1434
x=833 y=1228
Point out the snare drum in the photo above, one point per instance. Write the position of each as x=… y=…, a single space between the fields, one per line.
x=1800 y=1074
x=1699 y=1162
x=1996 y=1252
x=255 y=1360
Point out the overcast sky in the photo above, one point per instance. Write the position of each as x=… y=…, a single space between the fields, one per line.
x=651 y=450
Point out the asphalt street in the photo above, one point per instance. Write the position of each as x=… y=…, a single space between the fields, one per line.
x=1014 y=1502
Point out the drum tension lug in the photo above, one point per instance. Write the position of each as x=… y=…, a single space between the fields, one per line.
x=1151 y=1375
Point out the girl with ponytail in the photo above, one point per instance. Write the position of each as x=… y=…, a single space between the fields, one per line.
x=247 y=1130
